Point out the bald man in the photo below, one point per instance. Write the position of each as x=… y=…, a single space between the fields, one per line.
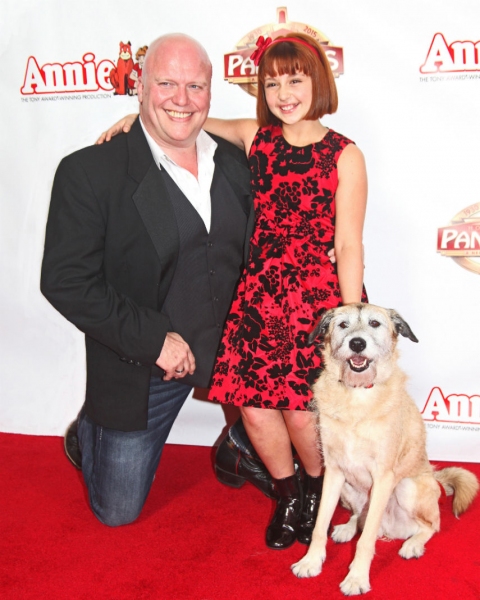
x=146 y=238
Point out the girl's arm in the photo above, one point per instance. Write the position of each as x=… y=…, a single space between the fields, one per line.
x=239 y=132
x=123 y=125
x=351 y=203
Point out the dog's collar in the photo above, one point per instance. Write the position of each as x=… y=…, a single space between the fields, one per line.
x=367 y=387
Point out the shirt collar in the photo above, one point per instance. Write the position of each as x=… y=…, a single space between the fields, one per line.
x=206 y=147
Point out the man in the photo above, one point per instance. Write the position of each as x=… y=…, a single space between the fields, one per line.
x=145 y=241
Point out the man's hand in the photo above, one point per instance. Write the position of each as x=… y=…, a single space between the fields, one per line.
x=176 y=358
x=333 y=260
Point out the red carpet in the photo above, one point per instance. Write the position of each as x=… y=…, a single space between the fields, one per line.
x=196 y=540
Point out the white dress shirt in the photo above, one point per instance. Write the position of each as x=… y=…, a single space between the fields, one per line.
x=196 y=190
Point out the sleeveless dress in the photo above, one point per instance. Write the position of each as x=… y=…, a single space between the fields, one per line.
x=264 y=359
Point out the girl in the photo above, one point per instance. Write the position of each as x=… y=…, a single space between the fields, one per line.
x=310 y=187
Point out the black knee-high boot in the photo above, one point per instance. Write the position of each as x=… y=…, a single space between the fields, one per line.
x=312 y=489
x=282 y=531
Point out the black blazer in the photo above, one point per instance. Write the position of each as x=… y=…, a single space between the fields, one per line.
x=111 y=248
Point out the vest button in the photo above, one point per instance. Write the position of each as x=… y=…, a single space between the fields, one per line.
x=210 y=244
x=212 y=272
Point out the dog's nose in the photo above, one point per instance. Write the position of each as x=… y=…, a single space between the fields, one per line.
x=357 y=344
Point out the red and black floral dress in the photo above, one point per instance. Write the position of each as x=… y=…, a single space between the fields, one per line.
x=264 y=359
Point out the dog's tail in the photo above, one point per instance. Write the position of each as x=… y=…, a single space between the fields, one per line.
x=460 y=482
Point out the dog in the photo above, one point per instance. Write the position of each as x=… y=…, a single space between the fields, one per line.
x=373 y=441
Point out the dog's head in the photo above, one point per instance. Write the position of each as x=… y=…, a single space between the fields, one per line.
x=360 y=339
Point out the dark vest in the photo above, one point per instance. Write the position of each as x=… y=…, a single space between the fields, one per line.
x=207 y=271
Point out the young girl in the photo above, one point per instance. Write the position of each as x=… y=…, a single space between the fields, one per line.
x=309 y=185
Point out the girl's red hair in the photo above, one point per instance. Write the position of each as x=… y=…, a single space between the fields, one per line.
x=287 y=57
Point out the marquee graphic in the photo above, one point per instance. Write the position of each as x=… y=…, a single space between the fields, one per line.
x=86 y=75
x=461 y=239
x=239 y=67
x=59 y=78
x=453 y=58
x=454 y=408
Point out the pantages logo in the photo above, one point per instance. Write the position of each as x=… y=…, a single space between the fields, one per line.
x=85 y=75
x=239 y=68
x=451 y=58
x=461 y=239
x=454 y=408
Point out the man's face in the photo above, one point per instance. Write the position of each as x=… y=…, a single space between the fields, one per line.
x=174 y=93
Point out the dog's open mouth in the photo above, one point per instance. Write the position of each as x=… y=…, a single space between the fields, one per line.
x=358 y=363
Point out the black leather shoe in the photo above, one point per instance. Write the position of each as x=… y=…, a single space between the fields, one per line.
x=70 y=444
x=282 y=531
x=233 y=467
x=311 y=502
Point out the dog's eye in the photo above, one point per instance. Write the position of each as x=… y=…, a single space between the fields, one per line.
x=374 y=324
x=343 y=325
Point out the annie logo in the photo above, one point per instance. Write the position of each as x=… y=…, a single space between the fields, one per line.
x=455 y=408
x=458 y=56
x=86 y=75
x=57 y=78
x=461 y=239
x=239 y=68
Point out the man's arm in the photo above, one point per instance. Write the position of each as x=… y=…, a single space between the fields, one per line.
x=73 y=277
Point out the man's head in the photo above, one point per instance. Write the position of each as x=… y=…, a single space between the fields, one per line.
x=174 y=90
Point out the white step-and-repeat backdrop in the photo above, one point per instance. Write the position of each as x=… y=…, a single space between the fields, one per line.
x=409 y=86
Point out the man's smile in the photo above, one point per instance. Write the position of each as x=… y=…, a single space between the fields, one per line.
x=178 y=115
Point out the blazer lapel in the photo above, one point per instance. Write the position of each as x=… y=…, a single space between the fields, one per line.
x=153 y=204
x=152 y=198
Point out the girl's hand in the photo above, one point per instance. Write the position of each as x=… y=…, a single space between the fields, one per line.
x=124 y=125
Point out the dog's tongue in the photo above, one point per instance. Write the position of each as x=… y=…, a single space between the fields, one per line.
x=357 y=361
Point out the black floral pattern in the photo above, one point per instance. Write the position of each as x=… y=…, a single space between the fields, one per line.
x=292 y=159
x=264 y=359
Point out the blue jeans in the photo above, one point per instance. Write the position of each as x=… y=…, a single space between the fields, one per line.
x=119 y=467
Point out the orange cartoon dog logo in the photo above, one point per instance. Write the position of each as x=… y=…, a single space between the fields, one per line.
x=120 y=74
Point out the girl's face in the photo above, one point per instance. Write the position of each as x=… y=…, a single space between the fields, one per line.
x=289 y=97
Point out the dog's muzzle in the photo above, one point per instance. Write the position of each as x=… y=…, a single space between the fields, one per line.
x=357 y=362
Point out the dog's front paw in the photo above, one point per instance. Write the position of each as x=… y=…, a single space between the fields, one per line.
x=308 y=566
x=412 y=548
x=345 y=532
x=355 y=584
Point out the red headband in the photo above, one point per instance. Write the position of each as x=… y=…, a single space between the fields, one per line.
x=264 y=43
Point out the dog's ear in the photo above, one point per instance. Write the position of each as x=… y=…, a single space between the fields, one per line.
x=321 y=329
x=401 y=326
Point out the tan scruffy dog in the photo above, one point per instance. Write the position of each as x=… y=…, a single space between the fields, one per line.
x=373 y=442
